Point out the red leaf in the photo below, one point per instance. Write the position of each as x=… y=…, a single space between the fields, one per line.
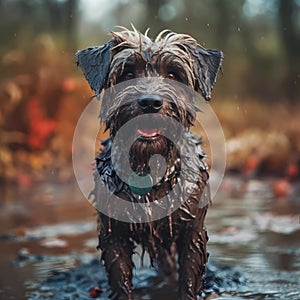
x=40 y=128
x=95 y=291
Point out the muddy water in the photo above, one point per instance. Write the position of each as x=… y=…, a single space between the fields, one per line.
x=48 y=240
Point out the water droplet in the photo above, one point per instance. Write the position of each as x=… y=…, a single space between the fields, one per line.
x=186 y=19
x=207 y=24
x=167 y=12
x=238 y=29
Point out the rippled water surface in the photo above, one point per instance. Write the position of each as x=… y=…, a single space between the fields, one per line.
x=48 y=241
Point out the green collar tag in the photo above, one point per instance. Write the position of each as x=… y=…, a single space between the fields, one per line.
x=140 y=184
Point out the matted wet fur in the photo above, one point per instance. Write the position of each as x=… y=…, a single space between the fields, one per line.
x=131 y=55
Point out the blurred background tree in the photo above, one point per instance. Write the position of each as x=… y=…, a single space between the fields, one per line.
x=288 y=27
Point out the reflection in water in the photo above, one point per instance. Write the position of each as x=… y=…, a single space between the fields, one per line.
x=247 y=232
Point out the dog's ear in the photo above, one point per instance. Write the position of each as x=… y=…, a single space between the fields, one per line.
x=206 y=70
x=94 y=62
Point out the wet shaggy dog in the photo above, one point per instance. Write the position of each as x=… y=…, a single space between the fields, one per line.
x=157 y=77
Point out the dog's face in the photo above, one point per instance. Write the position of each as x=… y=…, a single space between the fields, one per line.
x=149 y=72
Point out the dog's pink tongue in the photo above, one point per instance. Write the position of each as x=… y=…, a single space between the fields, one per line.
x=148 y=133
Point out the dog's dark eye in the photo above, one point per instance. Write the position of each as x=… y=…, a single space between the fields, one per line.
x=176 y=74
x=172 y=76
x=128 y=75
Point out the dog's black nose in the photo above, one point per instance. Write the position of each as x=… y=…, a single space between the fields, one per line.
x=150 y=103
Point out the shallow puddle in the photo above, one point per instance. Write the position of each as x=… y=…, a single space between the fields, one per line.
x=48 y=241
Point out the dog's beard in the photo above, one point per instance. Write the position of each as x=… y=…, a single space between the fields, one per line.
x=142 y=150
x=154 y=157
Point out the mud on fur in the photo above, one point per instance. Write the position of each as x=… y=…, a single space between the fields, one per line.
x=133 y=57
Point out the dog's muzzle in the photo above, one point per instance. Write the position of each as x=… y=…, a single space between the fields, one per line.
x=149 y=104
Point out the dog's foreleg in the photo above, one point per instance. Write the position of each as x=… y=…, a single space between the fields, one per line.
x=192 y=259
x=118 y=263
